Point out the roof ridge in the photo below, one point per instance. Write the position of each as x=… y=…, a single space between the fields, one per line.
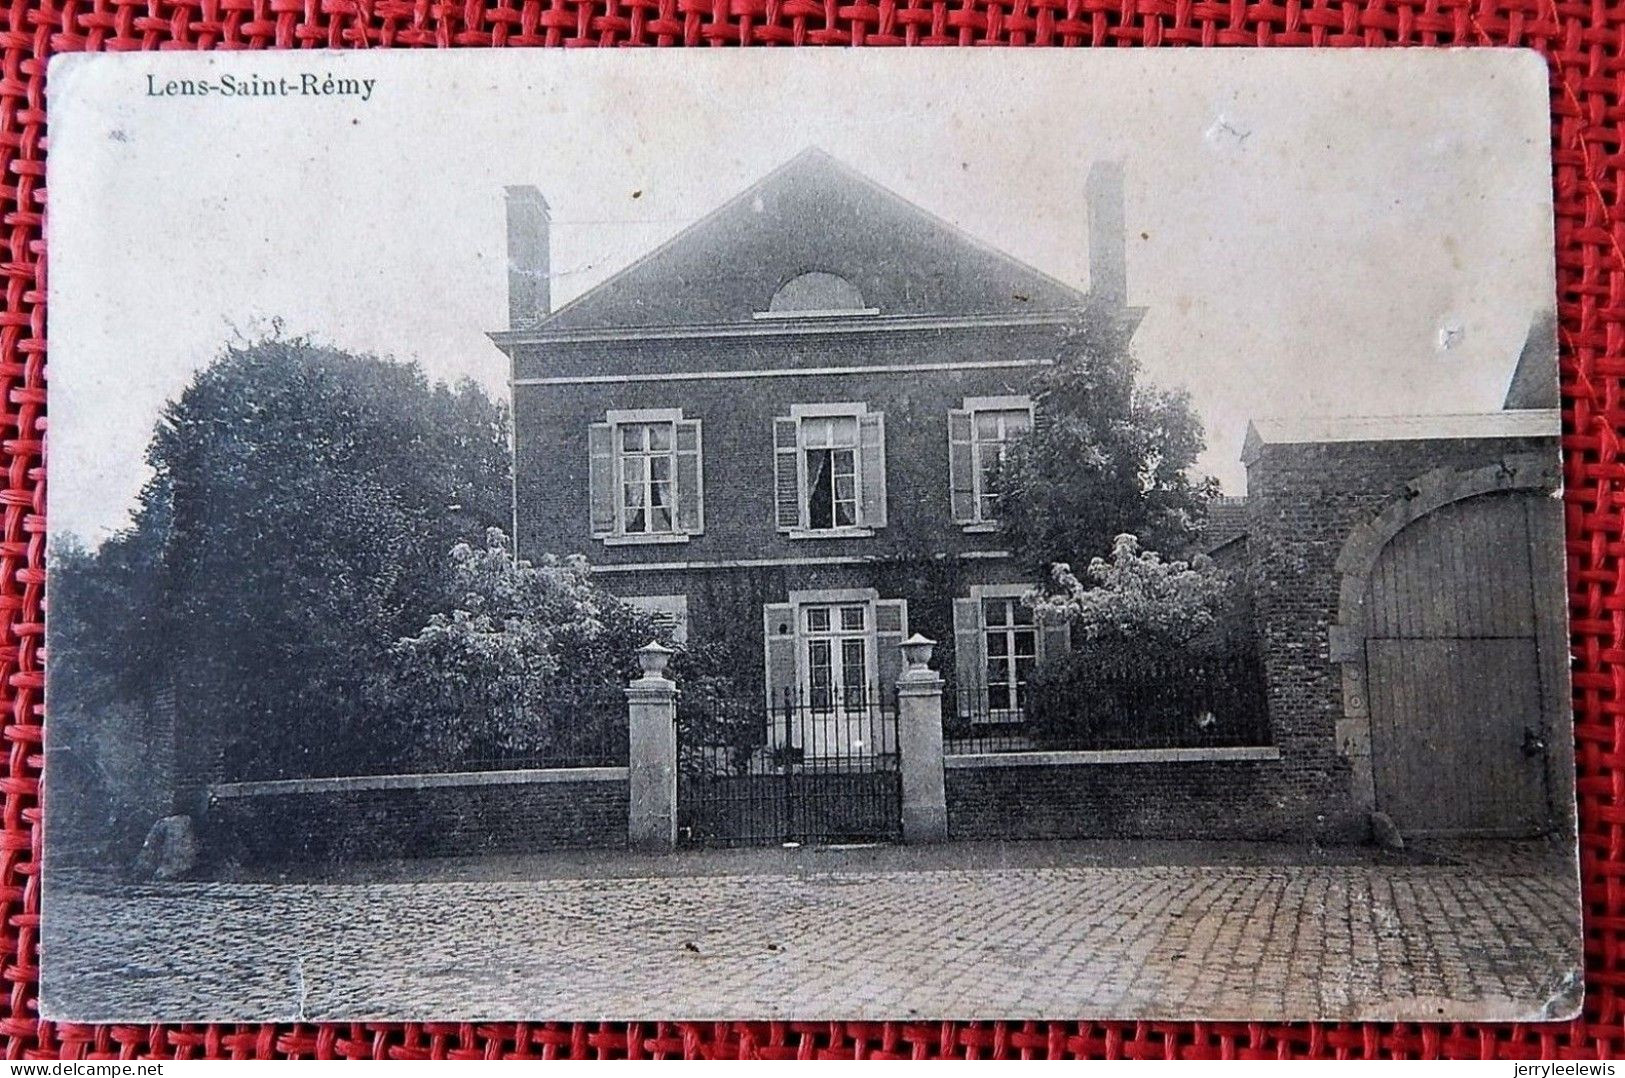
x=813 y=151
x=809 y=150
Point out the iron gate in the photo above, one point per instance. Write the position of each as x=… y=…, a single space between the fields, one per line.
x=810 y=770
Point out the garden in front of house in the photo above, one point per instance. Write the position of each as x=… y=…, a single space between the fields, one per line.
x=317 y=584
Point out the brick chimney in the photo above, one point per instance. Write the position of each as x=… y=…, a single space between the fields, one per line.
x=1108 y=246
x=529 y=259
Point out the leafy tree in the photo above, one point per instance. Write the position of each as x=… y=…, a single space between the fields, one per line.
x=1109 y=455
x=105 y=789
x=302 y=500
x=101 y=605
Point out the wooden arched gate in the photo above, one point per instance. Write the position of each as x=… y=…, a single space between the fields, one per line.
x=1454 y=653
x=1458 y=734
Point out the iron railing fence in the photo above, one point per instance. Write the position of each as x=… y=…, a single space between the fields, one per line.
x=811 y=766
x=1140 y=702
x=575 y=724
x=800 y=728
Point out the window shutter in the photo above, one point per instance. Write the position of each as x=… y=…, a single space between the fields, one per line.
x=1054 y=635
x=690 y=478
x=961 y=468
x=601 y=478
x=872 y=448
x=891 y=629
x=779 y=632
x=786 y=475
x=970 y=673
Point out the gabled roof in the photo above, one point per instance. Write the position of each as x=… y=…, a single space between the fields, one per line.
x=1296 y=430
x=1534 y=382
x=814 y=214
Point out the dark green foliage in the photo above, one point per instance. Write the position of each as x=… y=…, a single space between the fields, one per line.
x=313 y=496
x=106 y=785
x=296 y=524
x=1108 y=456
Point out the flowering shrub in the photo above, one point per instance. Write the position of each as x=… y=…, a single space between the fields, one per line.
x=530 y=662
x=1163 y=655
x=1138 y=596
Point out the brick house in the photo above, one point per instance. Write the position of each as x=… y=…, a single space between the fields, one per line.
x=778 y=428
x=774 y=430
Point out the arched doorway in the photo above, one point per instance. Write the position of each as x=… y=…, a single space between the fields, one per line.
x=1453 y=645
x=1453 y=665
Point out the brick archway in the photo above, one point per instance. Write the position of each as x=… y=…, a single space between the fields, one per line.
x=1423 y=495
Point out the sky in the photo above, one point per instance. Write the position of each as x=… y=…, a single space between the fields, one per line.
x=1309 y=234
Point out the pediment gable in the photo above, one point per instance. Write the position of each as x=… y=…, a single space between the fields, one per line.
x=813 y=218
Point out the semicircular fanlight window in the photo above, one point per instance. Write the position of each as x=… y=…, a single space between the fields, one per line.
x=817 y=291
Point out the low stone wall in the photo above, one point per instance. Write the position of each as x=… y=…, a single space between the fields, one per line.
x=372 y=817
x=1155 y=793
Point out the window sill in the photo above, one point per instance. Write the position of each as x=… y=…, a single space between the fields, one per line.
x=642 y=540
x=831 y=533
x=981 y=527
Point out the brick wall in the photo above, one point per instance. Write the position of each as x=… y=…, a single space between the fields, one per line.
x=551 y=422
x=1209 y=800
x=1304 y=500
x=915 y=557
x=435 y=821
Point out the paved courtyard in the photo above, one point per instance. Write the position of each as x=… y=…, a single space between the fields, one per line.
x=878 y=934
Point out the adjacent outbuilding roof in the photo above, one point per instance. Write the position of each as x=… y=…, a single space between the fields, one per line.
x=1297 y=430
x=1226 y=522
x=1534 y=382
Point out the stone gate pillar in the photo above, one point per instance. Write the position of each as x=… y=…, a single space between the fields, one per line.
x=651 y=707
x=919 y=744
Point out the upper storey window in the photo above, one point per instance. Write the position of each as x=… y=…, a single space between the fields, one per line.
x=816 y=295
x=979 y=438
x=830 y=470
x=645 y=477
x=830 y=449
x=648 y=465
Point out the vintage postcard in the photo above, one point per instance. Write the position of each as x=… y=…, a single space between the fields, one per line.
x=805 y=534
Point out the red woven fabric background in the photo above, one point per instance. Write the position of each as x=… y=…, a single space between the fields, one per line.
x=1583 y=42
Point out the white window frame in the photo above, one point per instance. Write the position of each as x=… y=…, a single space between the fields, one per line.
x=1009 y=403
x=1004 y=593
x=617 y=418
x=673 y=606
x=836 y=637
x=835 y=598
x=844 y=410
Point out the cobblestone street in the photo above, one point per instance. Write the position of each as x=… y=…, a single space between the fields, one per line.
x=1496 y=939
